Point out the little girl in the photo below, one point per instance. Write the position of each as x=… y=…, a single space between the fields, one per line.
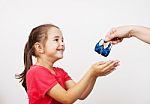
x=46 y=84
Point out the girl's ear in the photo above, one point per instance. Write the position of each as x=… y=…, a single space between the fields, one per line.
x=39 y=48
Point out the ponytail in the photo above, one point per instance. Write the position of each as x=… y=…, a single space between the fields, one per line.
x=27 y=63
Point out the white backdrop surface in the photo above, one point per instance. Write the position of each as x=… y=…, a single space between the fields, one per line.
x=83 y=23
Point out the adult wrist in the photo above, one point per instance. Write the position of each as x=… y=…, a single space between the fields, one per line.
x=131 y=31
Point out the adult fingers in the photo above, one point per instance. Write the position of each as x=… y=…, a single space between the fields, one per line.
x=110 y=35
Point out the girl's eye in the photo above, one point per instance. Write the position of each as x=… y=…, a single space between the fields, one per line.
x=62 y=40
x=56 y=40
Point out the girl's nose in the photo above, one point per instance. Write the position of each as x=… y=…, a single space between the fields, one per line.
x=62 y=43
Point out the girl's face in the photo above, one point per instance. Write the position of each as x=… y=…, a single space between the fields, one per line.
x=55 y=46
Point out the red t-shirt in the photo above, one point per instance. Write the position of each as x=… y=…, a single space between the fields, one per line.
x=39 y=80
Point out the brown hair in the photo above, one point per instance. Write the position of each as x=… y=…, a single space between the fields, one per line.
x=38 y=34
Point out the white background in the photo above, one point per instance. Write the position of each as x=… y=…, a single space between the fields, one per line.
x=83 y=23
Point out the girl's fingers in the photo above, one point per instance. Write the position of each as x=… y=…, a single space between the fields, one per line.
x=105 y=64
x=104 y=68
x=101 y=62
x=111 y=66
x=109 y=63
x=109 y=71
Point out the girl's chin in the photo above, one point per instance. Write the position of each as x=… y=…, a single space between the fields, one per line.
x=60 y=57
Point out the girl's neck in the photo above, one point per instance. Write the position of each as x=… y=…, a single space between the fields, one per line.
x=45 y=63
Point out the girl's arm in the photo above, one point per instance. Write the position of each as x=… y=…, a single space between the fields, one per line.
x=89 y=88
x=91 y=83
x=72 y=94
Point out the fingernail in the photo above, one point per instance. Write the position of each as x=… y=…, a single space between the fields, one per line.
x=107 y=39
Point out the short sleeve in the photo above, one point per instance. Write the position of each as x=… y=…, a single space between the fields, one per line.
x=65 y=74
x=40 y=81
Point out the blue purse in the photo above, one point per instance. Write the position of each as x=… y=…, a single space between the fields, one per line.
x=103 y=47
